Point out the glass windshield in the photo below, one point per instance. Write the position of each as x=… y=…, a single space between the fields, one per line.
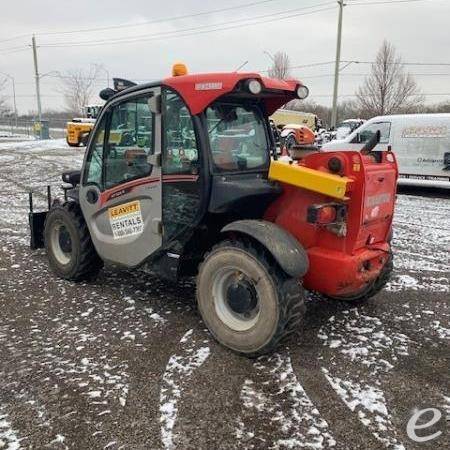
x=238 y=137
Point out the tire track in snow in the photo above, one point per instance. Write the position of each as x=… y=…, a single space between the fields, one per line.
x=178 y=370
x=370 y=405
x=285 y=415
x=362 y=345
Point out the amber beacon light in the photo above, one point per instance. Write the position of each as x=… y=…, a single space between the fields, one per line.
x=179 y=69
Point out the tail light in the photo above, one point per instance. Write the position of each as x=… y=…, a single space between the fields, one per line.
x=326 y=213
x=330 y=215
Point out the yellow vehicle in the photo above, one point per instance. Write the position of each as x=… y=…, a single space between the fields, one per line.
x=282 y=117
x=79 y=128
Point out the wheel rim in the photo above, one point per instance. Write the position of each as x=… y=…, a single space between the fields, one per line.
x=61 y=243
x=236 y=300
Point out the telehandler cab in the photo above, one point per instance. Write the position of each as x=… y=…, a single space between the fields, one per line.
x=182 y=175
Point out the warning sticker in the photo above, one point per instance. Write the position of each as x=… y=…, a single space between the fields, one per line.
x=126 y=219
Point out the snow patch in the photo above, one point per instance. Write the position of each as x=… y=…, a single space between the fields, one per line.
x=8 y=436
x=277 y=392
x=362 y=339
x=178 y=370
x=370 y=406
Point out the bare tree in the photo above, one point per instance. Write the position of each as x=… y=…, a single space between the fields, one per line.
x=78 y=87
x=4 y=108
x=389 y=88
x=281 y=67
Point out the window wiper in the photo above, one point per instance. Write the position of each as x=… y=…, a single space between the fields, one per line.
x=220 y=121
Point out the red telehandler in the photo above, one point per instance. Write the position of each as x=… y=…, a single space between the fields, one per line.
x=182 y=176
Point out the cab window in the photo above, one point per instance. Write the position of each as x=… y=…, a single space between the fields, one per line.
x=238 y=137
x=182 y=185
x=129 y=142
x=93 y=170
x=385 y=130
x=180 y=145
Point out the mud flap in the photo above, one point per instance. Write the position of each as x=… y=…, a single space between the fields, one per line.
x=286 y=250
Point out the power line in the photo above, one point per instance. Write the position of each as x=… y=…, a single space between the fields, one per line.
x=167 y=19
x=427 y=94
x=367 y=74
x=194 y=30
x=402 y=63
x=382 y=2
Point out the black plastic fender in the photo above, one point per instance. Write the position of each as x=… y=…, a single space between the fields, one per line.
x=286 y=250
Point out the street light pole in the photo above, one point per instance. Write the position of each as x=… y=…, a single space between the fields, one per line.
x=337 y=64
x=14 y=100
x=38 y=90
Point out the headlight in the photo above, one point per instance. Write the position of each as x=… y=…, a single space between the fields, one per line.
x=302 y=92
x=254 y=86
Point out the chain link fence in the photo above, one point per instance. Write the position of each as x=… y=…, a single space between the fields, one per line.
x=10 y=127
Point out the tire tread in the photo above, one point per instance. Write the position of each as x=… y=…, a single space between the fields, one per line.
x=89 y=263
x=290 y=292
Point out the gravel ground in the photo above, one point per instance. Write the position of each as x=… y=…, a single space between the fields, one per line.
x=125 y=362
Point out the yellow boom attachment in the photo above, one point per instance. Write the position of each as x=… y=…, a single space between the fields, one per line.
x=310 y=179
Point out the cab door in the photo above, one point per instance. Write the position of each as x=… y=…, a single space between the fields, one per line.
x=120 y=193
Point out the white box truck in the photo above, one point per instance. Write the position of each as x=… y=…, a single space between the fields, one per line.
x=421 y=143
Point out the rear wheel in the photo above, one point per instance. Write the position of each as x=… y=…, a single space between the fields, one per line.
x=373 y=288
x=248 y=303
x=70 y=251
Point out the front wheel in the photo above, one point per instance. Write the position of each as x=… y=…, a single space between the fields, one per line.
x=248 y=303
x=70 y=251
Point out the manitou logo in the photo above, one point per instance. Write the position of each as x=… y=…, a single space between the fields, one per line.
x=212 y=86
x=378 y=199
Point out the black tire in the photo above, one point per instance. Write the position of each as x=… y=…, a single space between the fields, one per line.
x=84 y=139
x=373 y=289
x=70 y=251
x=70 y=144
x=280 y=299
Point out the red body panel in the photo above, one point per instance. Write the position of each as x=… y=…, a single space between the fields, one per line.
x=200 y=90
x=343 y=265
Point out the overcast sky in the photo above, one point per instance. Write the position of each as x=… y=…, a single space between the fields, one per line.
x=419 y=31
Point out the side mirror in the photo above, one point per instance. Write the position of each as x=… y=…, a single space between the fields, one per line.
x=72 y=177
x=446 y=161
x=106 y=94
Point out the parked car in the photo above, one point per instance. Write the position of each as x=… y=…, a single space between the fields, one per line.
x=347 y=127
x=421 y=143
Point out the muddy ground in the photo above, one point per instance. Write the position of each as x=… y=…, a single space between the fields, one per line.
x=124 y=362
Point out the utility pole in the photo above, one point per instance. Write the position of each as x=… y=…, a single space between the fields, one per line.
x=337 y=64
x=38 y=90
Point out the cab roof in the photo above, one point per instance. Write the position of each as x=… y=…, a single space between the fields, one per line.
x=200 y=90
